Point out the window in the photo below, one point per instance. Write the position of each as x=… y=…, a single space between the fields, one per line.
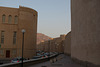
x=9 y=19
x=16 y=19
x=14 y=52
x=1 y=52
x=14 y=37
x=2 y=37
x=3 y=18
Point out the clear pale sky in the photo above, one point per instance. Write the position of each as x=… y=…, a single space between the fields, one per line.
x=53 y=15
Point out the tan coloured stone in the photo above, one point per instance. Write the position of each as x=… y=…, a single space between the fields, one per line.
x=27 y=19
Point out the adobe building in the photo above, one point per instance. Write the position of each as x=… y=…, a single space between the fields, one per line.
x=85 y=31
x=12 y=21
x=67 y=44
x=58 y=44
x=43 y=46
x=52 y=45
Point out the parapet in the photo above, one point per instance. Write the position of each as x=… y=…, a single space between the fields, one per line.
x=22 y=8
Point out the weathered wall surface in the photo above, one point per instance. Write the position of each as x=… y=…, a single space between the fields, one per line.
x=67 y=44
x=27 y=21
x=85 y=30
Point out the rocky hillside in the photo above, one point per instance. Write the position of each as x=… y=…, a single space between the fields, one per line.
x=42 y=37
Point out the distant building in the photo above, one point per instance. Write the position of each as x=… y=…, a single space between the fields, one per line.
x=53 y=45
x=67 y=44
x=12 y=21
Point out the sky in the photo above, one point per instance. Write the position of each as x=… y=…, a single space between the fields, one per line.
x=53 y=15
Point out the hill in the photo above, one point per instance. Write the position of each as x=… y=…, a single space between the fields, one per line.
x=42 y=37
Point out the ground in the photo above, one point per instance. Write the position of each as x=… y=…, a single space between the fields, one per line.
x=62 y=61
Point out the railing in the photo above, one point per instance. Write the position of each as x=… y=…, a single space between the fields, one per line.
x=28 y=62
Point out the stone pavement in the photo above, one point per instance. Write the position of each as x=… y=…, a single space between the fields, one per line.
x=62 y=61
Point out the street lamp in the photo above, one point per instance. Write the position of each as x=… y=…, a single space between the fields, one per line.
x=23 y=31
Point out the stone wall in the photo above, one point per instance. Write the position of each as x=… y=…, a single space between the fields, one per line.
x=85 y=30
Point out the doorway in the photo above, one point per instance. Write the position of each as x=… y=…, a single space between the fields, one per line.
x=7 y=53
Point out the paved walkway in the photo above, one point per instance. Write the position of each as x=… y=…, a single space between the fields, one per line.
x=62 y=61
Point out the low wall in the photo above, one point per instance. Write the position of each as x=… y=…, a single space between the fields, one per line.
x=28 y=62
x=3 y=61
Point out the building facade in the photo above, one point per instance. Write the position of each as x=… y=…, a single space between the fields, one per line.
x=12 y=21
x=52 y=45
x=67 y=44
x=85 y=31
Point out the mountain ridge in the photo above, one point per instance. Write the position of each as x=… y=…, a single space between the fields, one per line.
x=42 y=37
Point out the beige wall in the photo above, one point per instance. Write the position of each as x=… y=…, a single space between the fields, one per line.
x=67 y=44
x=9 y=29
x=85 y=30
x=27 y=19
